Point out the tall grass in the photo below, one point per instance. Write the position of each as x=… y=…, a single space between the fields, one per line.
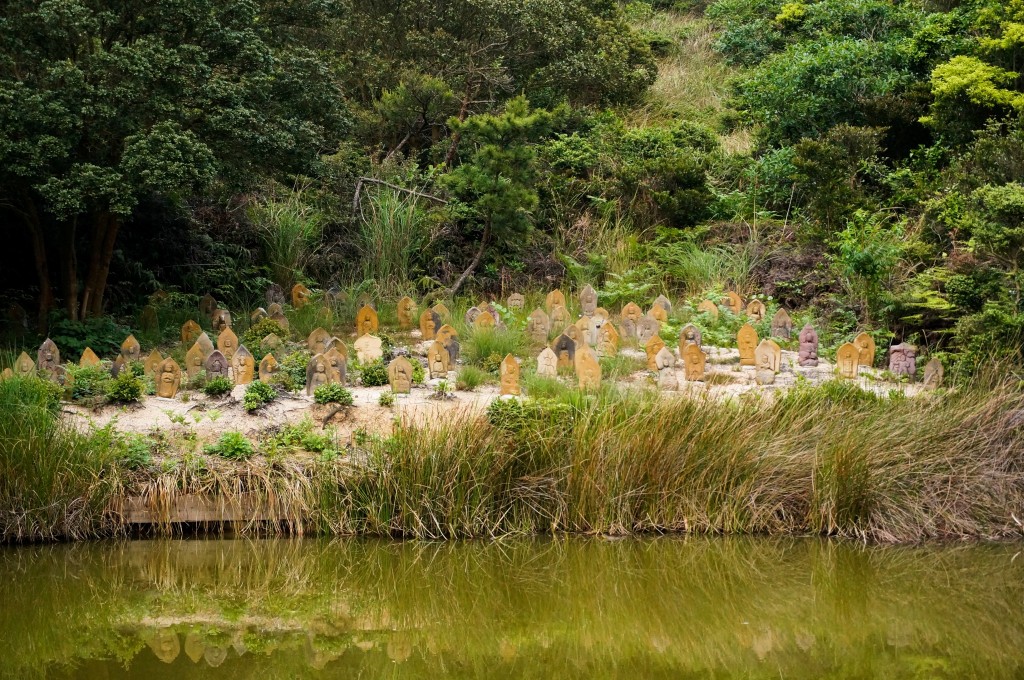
x=484 y=344
x=695 y=270
x=392 y=229
x=291 y=231
x=51 y=477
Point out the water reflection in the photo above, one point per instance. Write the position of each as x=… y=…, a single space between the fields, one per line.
x=668 y=607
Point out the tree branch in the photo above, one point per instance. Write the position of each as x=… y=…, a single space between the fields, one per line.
x=373 y=180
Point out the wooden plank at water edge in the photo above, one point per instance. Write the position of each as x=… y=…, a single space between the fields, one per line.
x=187 y=508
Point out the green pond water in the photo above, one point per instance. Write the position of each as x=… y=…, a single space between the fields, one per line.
x=524 y=608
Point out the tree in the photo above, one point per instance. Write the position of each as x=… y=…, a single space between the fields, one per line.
x=496 y=184
x=103 y=104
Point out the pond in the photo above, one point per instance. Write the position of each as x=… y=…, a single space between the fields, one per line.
x=667 y=607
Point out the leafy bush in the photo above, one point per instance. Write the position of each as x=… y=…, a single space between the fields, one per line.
x=233 y=446
x=333 y=393
x=88 y=381
x=375 y=374
x=292 y=375
x=218 y=387
x=257 y=395
x=386 y=399
x=419 y=373
x=126 y=388
x=99 y=332
x=254 y=334
x=302 y=435
x=136 y=453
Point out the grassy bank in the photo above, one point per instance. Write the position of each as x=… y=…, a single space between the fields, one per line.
x=829 y=460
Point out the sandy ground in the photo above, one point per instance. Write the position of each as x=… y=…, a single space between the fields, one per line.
x=207 y=418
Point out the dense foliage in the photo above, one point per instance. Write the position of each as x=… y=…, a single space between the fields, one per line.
x=860 y=159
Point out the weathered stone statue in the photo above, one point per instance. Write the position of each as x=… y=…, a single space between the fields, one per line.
x=369 y=348
x=735 y=302
x=768 y=356
x=564 y=348
x=553 y=298
x=316 y=374
x=865 y=345
x=337 y=364
x=195 y=360
x=933 y=374
x=217 y=365
x=607 y=340
x=24 y=367
x=89 y=358
x=665 y=362
x=366 y=321
x=48 y=358
x=689 y=335
x=756 y=310
x=903 y=360
x=275 y=295
x=782 y=325
x=631 y=311
x=708 y=307
x=406 y=311
x=653 y=346
x=509 y=376
x=484 y=320
x=207 y=305
x=190 y=331
x=587 y=368
x=588 y=300
x=693 y=362
x=538 y=326
x=471 y=315
x=316 y=341
x=559 y=316
x=746 y=340
x=443 y=312
x=130 y=349
x=437 y=360
x=547 y=363
x=269 y=368
x=847 y=360
x=646 y=328
x=227 y=343
x=258 y=314
x=808 y=355
x=516 y=301
x=221 y=320
x=168 y=379
x=152 y=364
x=664 y=302
x=243 y=365
x=658 y=312
x=300 y=296
x=430 y=322
x=400 y=375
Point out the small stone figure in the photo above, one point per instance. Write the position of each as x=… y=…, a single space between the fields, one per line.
x=227 y=343
x=631 y=311
x=195 y=360
x=130 y=349
x=243 y=365
x=665 y=362
x=746 y=340
x=221 y=320
x=269 y=367
x=689 y=335
x=300 y=296
x=366 y=321
x=588 y=370
x=190 y=331
x=735 y=302
x=607 y=340
x=471 y=315
x=316 y=374
x=24 y=366
x=317 y=341
x=538 y=326
x=443 y=312
x=547 y=363
x=564 y=348
x=646 y=328
x=847 y=361
x=207 y=305
x=259 y=314
x=653 y=346
x=217 y=365
x=149 y=321
x=756 y=310
x=933 y=374
x=400 y=375
x=658 y=312
x=337 y=364
x=369 y=348
x=693 y=362
x=89 y=358
x=516 y=301
x=808 y=355
x=152 y=364
x=588 y=300
x=708 y=307
x=510 y=376
x=865 y=345
x=768 y=356
x=48 y=358
x=903 y=360
x=437 y=359
x=484 y=320
x=559 y=316
x=664 y=302
x=274 y=296
x=430 y=322
x=168 y=378
x=782 y=325
x=553 y=298
x=406 y=312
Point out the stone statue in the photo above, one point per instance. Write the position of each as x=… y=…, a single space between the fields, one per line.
x=553 y=298
x=317 y=341
x=227 y=343
x=243 y=364
x=259 y=314
x=368 y=349
x=564 y=348
x=756 y=310
x=588 y=300
x=808 y=356
x=24 y=367
x=708 y=307
x=693 y=362
x=48 y=358
x=275 y=295
x=316 y=374
x=89 y=358
x=746 y=340
x=195 y=360
x=300 y=296
x=337 y=364
x=269 y=367
x=658 y=312
x=168 y=379
x=130 y=349
x=559 y=316
x=664 y=302
x=438 y=360
x=847 y=360
x=471 y=315
x=903 y=360
x=646 y=328
x=510 y=376
x=516 y=301
x=190 y=331
x=933 y=374
x=221 y=320
x=547 y=363
x=653 y=346
x=665 y=362
x=406 y=311
x=207 y=305
x=217 y=365
x=400 y=375
x=430 y=323
x=690 y=335
x=587 y=368
x=538 y=326
x=782 y=325
x=366 y=321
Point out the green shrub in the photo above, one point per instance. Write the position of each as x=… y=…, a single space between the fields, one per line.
x=136 y=453
x=470 y=377
x=302 y=435
x=292 y=375
x=126 y=388
x=233 y=446
x=88 y=381
x=375 y=374
x=419 y=373
x=100 y=333
x=253 y=335
x=333 y=393
x=507 y=414
x=257 y=395
x=218 y=387
x=387 y=399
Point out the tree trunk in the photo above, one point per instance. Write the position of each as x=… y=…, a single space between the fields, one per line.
x=100 y=225
x=69 y=267
x=476 y=260
x=42 y=265
x=106 y=255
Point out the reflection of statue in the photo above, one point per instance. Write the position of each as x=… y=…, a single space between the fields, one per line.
x=808 y=346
